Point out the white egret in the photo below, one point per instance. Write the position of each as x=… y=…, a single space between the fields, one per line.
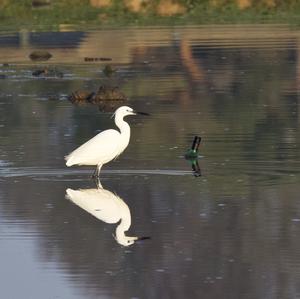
x=105 y=146
x=108 y=207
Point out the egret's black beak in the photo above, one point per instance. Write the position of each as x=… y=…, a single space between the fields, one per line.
x=141 y=113
x=143 y=238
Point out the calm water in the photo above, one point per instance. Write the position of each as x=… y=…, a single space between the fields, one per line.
x=232 y=232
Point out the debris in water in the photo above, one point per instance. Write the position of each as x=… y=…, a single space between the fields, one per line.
x=53 y=98
x=106 y=98
x=38 y=72
x=94 y=59
x=296 y=220
x=40 y=3
x=107 y=93
x=108 y=70
x=47 y=73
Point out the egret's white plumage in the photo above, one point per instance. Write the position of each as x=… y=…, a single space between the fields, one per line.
x=105 y=146
x=105 y=206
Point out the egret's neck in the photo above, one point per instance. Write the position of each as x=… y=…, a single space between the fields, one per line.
x=123 y=227
x=122 y=124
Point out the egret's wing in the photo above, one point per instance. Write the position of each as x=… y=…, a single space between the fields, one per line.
x=101 y=203
x=103 y=147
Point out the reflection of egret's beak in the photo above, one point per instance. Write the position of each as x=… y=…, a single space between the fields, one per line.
x=143 y=238
x=128 y=241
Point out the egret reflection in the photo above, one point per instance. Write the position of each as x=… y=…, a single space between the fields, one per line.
x=108 y=207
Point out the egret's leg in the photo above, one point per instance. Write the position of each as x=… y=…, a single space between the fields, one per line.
x=94 y=173
x=98 y=170
x=98 y=183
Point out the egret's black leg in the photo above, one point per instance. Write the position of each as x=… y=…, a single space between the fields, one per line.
x=98 y=183
x=94 y=173
x=98 y=170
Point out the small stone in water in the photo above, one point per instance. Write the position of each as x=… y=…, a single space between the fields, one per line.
x=40 y=55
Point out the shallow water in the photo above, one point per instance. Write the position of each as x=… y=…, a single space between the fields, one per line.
x=231 y=232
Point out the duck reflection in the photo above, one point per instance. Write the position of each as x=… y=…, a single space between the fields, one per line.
x=192 y=156
x=108 y=207
x=196 y=168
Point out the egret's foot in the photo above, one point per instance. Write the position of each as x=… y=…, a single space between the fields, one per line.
x=97 y=182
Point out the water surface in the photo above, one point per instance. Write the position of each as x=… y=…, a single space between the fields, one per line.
x=230 y=233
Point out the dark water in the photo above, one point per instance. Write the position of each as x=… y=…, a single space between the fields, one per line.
x=232 y=232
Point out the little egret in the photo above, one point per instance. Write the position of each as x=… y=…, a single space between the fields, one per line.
x=108 y=207
x=106 y=145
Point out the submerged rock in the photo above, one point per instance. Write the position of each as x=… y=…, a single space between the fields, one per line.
x=106 y=98
x=108 y=70
x=107 y=93
x=109 y=106
x=40 y=55
x=47 y=73
x=40 y=3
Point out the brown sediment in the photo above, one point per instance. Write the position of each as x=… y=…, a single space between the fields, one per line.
x=40 y=3
x=100 y=3
x=137 y=6
x=170 y=8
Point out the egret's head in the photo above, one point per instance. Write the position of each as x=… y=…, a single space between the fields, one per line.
x=125 y=110
x=124 y=240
